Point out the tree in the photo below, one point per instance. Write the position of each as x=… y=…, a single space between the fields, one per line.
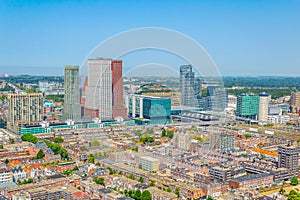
x=111 y=171
x=67 y=172
x=75 y=168
x=30 y=138
x=170 y=133
x=31 y=90
x=137 y=194
x=247 y=135
x=131 y=176
x=163 y=132
x=91 y=158
x=95 y=143
x=152 y=184
x=141 y=180
x=58 y=139
x=289 y=123
x=11 y=141
x=293 y=195
x=3 y=97
x=130 y=193
x=294 y=181
x=1 y=146
x=146 y=195
x=138 y=132
x=6 y=161
x=146 y=138
x=40 y=154
x=99 y=181
x=209 y=198
x=177 y=192
x=168 y=189
x=281 y=191
x=283 y=182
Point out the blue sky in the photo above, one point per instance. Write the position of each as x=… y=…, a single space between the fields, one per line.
x=254 y=37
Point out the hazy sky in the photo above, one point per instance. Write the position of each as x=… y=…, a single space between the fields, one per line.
x=254 y=37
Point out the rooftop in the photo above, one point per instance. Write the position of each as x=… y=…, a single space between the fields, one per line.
x=248 y=178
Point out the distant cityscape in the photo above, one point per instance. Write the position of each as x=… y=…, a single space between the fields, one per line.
x=149 y=100
x=105 y=136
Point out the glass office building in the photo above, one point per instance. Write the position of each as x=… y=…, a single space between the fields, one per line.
x=156 y=107
x=247 y=106
x=147 y=110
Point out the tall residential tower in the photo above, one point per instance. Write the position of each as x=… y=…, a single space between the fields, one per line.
x=72 y=98
x=263 y=109
x=288 y=157
x=24 y=109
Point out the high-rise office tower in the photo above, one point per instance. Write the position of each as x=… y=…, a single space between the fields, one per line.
x=104 y=91
x=99 y=90
x=247 y=106
x=118 y=110
x=217 y=98
x=83 y=95
x=72 y=98
x=190 y=87
x=263 y=109
x=288 y=157
x=24 y=109
x=295 y=101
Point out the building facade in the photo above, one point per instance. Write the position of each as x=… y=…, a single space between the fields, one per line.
x=24 y=109
x=149 y=164
x=150 y=110
x=222 y=142
x=247 y=106
x=190 y=87
x=118 y=108
x=72 y=108
x=98 y=102
x=104 y=90
x=288 y=157
x=263 y=109
x=295 y=101
x=217 y=98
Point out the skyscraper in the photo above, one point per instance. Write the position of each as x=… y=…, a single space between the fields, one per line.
x=24 y=109
x=72 y=99
x=247 y=106
x=263 y=109
x=190 y=87
x=104 y=91
x=118 y=110
x=288 y=157
x=99 y=90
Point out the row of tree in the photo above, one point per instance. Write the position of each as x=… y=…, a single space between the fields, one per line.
x=56 y=148
x=138 y=195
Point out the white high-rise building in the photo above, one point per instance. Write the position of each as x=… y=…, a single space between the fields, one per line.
x=99 y=89
x=263 y=108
